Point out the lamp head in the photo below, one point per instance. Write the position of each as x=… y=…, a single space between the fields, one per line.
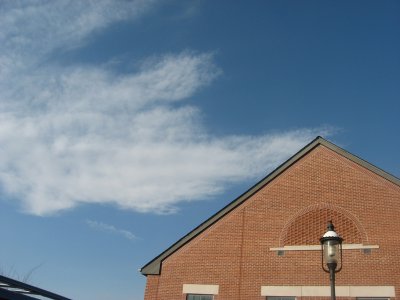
x=331 y=245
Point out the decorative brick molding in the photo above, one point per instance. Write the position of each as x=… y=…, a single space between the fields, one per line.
x=308 y=223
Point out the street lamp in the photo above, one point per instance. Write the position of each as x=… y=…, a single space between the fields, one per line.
x=331 y=253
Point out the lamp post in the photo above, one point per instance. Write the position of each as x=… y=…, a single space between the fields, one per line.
x=331 y=253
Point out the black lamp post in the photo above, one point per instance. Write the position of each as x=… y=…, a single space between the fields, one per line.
x=331 y=252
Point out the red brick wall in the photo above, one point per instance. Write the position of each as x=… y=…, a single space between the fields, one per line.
x=151 y=287
x=234 y=253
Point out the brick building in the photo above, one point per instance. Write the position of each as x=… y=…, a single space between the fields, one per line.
x=265 y=244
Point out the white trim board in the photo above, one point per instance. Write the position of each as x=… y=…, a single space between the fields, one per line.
x=324 y=291
x=207 y=289
x=318 y=247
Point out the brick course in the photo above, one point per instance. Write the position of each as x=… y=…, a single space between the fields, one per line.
x=234 y=253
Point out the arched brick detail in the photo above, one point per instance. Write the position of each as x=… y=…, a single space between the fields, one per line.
x=307 y=226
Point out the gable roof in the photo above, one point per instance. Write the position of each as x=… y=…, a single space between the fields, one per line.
x=154 y=266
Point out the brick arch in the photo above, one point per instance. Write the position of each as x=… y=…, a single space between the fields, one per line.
x=307 y=225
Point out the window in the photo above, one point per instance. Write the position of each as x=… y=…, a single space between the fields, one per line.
x=199 y=297
x=281 y=298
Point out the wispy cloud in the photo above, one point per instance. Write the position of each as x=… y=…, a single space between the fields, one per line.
x=88 y=134
x=30 y=31
x=111 y=229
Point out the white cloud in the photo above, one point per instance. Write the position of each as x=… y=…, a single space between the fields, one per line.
x=111 y=229
x=30 y=30
x=86 y=134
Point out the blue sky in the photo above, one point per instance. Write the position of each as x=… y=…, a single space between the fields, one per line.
x=125 y=124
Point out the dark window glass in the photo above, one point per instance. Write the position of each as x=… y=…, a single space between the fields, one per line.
x=199 y=297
